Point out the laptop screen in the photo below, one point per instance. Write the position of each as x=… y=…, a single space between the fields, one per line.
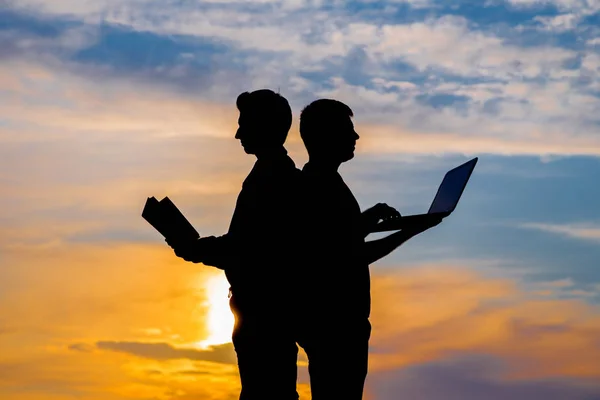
x=452 y=188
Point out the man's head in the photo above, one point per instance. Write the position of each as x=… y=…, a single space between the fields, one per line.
x=264 y=122
x=327 y=130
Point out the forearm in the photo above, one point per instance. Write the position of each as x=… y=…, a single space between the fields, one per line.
x=377 y=249
x=214 y=251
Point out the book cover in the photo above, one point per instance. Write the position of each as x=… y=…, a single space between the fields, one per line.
x=166 y=218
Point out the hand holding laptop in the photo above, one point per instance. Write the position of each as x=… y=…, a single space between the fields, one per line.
x=444 y=202
x=379 y=212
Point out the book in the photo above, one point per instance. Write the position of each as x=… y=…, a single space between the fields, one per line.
x=166 y=218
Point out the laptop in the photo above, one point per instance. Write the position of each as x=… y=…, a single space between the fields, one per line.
x=444 y=202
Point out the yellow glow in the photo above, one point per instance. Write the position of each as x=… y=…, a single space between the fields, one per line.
x=219 y=318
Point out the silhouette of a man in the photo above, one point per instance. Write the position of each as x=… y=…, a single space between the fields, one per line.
x=255 y=250
x=335 y=328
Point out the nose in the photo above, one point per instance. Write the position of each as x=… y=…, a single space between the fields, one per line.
x=238 y=134
x=356 y=137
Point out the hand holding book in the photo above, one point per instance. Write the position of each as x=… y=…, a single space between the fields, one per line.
x=166 y=218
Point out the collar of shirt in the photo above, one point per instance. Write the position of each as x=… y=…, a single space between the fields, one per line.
x=271 y=165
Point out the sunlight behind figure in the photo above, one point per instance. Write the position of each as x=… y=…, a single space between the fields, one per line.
x=219 y=318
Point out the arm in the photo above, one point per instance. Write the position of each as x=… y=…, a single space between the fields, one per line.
x=377 y=249
x=210 y=250
x=215 y=251
x=262 y=230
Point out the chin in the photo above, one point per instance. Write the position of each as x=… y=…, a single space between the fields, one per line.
x=349 y=157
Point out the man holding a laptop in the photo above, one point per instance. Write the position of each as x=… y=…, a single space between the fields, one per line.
x=334 y=327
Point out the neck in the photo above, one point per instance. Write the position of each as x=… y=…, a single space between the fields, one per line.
x=323 y=164
x=271 y=153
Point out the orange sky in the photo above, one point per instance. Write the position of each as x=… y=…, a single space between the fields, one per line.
x=128 y=321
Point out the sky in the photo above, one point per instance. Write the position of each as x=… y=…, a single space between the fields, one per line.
x=106 y=103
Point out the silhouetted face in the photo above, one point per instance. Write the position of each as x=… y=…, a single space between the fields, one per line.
x=339 y=139
x=348 y=138
x=249 y=133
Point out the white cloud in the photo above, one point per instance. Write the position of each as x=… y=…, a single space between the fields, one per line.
x=445 y=42
x=559 y=23
x=549 y=122
x=449 y=44
x=578 y=6
x=529 y=102
x=594 y=42
x=588 y=232
x=562 y=283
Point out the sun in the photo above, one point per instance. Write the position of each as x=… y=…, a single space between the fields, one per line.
x=219 y=318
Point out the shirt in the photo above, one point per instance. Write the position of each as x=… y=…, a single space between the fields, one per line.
x=255 y=251
x=336 y=277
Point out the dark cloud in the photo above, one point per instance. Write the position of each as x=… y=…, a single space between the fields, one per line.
x=223 y=354
x=193 y=372
x=154 y=372
x=474 y=378
x=82 y=347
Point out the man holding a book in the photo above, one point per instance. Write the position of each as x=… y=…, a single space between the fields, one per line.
x=256 y=250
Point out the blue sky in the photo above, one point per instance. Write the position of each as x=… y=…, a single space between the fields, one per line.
x=103 y=104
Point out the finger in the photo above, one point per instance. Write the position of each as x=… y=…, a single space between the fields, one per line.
x=391 y=210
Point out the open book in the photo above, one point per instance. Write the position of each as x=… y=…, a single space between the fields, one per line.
x=166 y=218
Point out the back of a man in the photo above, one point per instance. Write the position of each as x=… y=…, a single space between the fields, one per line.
x=255 y=252
x=336 y=273
x=334 y=327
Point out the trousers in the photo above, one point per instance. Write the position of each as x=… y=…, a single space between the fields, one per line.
x=267 y=355
x=266 y=345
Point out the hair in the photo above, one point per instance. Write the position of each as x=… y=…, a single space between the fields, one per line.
x=271 y=108
x=320 y=116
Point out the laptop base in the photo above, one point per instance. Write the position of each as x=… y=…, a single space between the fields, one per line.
x=407 y=222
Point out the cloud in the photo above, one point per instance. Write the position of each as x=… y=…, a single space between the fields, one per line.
x=82 y=347
x=471 y=378
x=448 y=312
x=449 y=44
x=68 y=105
x=588 y=232
x=65 y=298
x=67 y=42
x=98 y=149
x=79 y=292
x=559 y=23
x=562 y=283
x=431 y=97
x=582 y=6
x=163 y=351
x=565 y=289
